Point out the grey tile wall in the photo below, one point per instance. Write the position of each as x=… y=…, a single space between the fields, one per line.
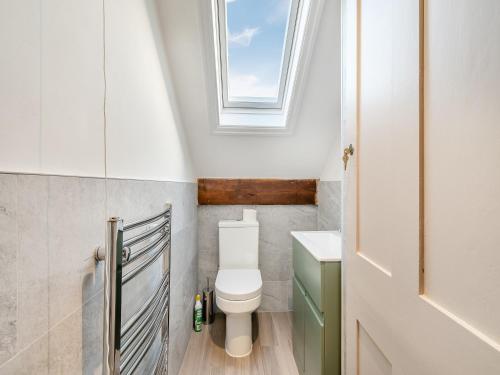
x=8 y=264
x=51 y=295
x=51 y=300
x=329 y=205
x=275 y=246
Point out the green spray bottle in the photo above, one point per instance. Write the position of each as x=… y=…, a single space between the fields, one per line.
x=198 y=313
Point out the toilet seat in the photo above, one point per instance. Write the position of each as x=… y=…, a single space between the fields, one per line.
x=238 y=284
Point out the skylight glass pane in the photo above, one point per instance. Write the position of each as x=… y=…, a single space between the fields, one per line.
x=256 y=38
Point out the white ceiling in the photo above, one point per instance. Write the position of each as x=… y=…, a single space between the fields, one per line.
x=304 y=153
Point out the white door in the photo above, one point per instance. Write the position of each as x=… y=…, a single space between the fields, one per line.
x=421 y=107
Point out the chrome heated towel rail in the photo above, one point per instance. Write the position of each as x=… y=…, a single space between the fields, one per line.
x=130 y=250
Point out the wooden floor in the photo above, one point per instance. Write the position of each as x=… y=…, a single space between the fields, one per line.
x=271 y=354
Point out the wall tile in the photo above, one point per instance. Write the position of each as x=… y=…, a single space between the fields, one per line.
x=207 y=267
x=92 y=278
x=65 y=346
x=184 y=244
x=31 y=360
x=33 y=259
x=275 y=261
x=182 y=303
x=274 y=296
x=183 y=197
x=8 y=266
x=76 y=227
x=135 y=199
x=75 y=344
x=275 y=224
x=92 y=335
x=302 y=218
x=129 y=199
x=329 y=208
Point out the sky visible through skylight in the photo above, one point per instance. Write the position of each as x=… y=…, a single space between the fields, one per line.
x=256 y=38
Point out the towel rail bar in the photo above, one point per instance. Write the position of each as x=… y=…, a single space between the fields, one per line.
x=130 y=339
x=145 y=235
x=145 y=344
x=149 y=220
x=141 y=312
x=144 y=250
x=144 y=264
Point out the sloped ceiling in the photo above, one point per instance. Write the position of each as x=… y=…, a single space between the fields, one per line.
x=302 y=154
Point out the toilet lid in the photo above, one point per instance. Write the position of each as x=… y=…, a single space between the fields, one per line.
x=238 y=284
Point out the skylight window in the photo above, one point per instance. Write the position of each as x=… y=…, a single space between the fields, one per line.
x=260 y=48
x=255 y=45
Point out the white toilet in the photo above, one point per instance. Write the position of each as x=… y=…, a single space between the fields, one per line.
x=238 y=285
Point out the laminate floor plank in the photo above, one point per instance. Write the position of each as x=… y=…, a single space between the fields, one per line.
x=266 y=335
x=271 y=353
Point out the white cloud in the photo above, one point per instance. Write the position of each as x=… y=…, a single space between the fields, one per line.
x=243 y=38
x=249 y=85
x=230 y=1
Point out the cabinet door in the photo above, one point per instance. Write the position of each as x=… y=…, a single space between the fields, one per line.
x=310 y=273
x=299 y=305
x=314 y=339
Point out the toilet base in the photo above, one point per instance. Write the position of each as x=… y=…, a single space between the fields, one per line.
x=239 y=334
x=238 y=324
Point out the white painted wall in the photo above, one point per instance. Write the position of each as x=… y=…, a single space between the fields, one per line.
x=332 y=170
x=300 y=155
x=144 y=132
x=52 y=92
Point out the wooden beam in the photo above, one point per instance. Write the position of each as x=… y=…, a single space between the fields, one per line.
x=219 y=191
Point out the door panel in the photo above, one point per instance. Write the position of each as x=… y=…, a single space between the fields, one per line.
x=462 y=117
x=376 y=133
x=372 y=360
x=420 y=228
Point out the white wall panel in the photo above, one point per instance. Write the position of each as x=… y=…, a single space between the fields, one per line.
x=52 y=91
x=72 y=136
x=19 y=85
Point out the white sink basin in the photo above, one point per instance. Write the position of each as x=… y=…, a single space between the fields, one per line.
x=324 y=246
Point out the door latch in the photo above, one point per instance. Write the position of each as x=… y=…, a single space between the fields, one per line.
x=348 y=151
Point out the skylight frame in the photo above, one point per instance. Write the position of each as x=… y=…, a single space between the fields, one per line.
x=255 y=103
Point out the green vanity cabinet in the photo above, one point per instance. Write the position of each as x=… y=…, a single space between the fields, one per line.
x=316 y=313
